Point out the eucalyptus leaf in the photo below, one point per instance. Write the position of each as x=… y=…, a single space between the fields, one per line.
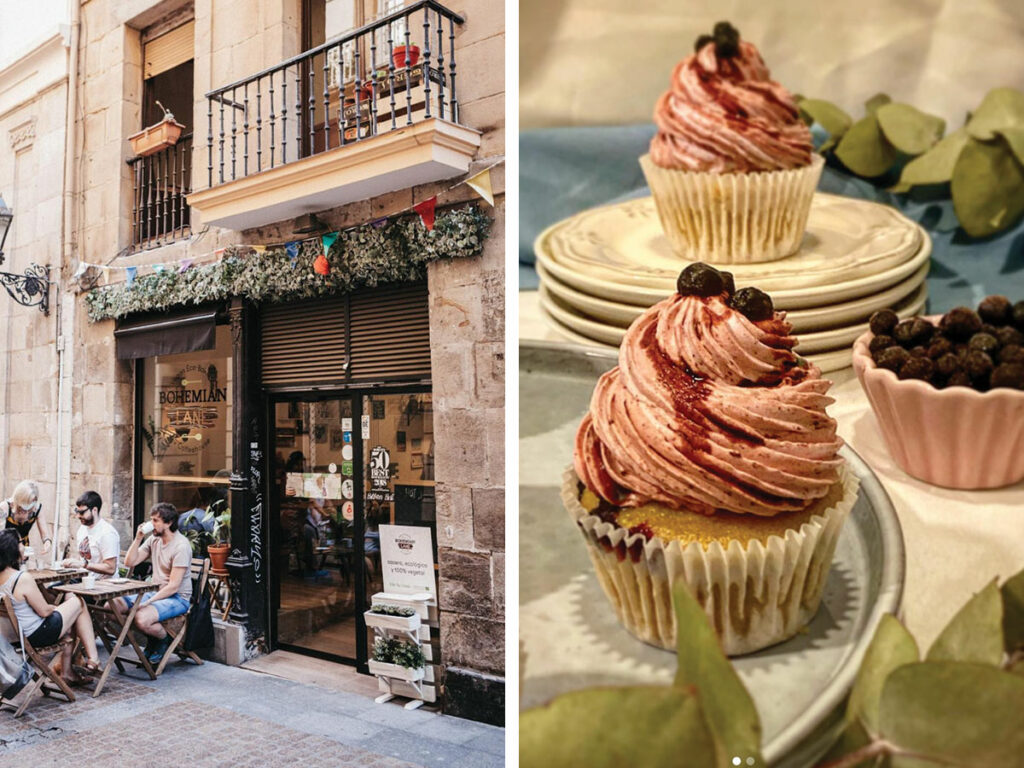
x=936 y=165
x=850 y=740
x=953 y=713
x=1014 y=138
x=909 y=129
x=987 y=188
x=891 y=647
x=865 y=150
x=975 y=632
x=876 y=101
x=830 y=117
x=1013 y=612
x=612 y=727
x=725 y=701
x=1001 y=108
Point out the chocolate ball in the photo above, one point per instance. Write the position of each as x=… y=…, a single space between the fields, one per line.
x=959 y=379
x=939 y=346
x=914 y=331
x=995 y=309
x=983 y=342
x=960 y=323
x=1010 y=336
x=947 y=365
x=1011 y=353
x=978 y=366
x=892 y=358
x=1010 y=375
x=878 y=343
x=1017 y=315
x=917 y=368
x=883 y=322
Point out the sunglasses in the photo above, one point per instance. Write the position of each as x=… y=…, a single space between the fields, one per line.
x=80 y=512
x=30 y=508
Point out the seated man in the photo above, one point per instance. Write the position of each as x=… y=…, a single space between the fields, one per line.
x=171 y=554
x=99 y=544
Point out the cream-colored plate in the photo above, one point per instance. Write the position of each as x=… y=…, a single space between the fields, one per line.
x=852 y=248
x=816 y=341
x=803 y=320
x=827 y=362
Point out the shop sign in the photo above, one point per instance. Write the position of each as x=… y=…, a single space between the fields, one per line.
x=380 y=467
x=191 y=406
x=407 y=558
x=365 y=424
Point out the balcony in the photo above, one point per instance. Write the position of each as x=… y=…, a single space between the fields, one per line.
x=161 y=183
x=371 y=112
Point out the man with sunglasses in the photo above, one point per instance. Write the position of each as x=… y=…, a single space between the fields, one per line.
x=99 y=544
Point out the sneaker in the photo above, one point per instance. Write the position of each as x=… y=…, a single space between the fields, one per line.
x=159 y=649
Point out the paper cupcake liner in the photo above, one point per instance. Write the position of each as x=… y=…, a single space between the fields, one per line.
x=754 y=597
x=733 y=218
x=935 y=434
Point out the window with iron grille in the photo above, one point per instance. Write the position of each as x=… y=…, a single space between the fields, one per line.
x=162 y=168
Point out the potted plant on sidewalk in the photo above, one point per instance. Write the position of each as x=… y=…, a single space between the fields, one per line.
x=398 y=659
x=218 y=550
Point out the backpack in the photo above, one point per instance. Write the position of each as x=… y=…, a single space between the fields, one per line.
x=15 y=671
x=199 y=632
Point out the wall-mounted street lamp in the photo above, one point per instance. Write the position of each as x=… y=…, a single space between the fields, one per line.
x=31 y=289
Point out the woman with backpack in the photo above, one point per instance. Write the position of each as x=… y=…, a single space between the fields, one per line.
x=44 y=624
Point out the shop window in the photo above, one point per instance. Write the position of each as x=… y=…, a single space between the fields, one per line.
x=185 y=426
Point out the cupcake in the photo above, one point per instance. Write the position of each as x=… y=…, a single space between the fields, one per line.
x=707 y=457
x=731 y=166
x=948 y=392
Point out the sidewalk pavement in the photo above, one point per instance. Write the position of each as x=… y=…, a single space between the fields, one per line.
x=216 y=716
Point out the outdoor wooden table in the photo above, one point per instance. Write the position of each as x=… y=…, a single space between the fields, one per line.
x=63 y=575
x=102 y=610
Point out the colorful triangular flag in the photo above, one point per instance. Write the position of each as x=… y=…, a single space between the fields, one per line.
x=321 y=266
x=426 y=212
x=258 y=248
x=378 y=223
x=328 y=241
x=482 y=184
x=82 y=266
x=184 y=265
x=158 y=268
x=129 y=275
x=292 y=249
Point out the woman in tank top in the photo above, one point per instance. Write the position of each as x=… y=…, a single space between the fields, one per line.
x=44 y=624
x=24 y=510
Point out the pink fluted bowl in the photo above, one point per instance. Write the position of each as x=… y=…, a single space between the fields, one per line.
x=956 y=437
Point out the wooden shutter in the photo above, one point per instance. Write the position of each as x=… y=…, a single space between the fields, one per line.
x=169 y=50
x=390 y=333
x=303 y=343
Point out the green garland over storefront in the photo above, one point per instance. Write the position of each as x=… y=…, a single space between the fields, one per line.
x=363 y=257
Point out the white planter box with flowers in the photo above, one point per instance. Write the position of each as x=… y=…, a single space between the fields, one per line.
x=388 y=621
x=396 y=671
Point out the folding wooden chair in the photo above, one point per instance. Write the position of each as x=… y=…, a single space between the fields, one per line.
x=178 y=626
x=44 y=677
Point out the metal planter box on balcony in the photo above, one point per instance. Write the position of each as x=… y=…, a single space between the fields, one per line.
x=339 y=123
x=153 y=138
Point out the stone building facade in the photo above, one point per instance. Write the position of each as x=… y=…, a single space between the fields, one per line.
x=122 y=43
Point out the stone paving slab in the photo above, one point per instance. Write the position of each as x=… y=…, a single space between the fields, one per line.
x=200 y=735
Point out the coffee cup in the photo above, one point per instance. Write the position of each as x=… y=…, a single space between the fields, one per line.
x=30 y=552
x=147 y=527
x=89 y=581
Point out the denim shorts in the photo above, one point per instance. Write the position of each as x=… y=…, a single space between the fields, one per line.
x=168 y=608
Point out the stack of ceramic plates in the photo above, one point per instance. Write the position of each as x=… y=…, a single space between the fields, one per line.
x=603 y=267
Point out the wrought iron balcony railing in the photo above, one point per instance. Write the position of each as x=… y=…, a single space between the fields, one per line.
x=160 y=213
x=390 y=73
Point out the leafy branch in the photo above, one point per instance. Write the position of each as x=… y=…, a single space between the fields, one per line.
x=982 y=161
x=960 y=705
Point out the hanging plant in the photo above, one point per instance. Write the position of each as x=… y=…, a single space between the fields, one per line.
x=983 y=161
x=363 y=257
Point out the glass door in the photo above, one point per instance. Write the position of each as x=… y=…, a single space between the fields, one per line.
x=398 y=473
x=316 y=601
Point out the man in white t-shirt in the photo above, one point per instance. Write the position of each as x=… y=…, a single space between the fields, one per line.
x=99 y=544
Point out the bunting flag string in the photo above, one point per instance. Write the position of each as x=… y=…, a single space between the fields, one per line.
x=480 y=182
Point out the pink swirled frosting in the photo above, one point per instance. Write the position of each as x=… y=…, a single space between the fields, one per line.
x=727 y=115
x=707 y=412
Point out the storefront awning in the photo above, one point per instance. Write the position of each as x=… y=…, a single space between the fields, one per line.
x=165 y=334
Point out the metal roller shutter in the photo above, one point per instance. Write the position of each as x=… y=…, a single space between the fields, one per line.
x=386 y=331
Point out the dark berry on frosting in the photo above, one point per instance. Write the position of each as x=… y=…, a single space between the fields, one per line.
x=883 y=322
x=727 y=40
x=959 y=379
x=892 y=358
x=754 y=303
x=730 y=283
x=978 y=366
x=983 y=342
x=917 y=368
x=1010 y=336
x=878 y=343
x=995 y=309
x=960 y=323
x=700 y=279
x=1008 y=375
x=939 y=346
x=702 y=41
x=947 y=365
x=1011 y=353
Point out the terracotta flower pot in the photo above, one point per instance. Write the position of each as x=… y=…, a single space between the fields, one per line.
x=153 y=138
x=218 y=556
x=399 y=57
